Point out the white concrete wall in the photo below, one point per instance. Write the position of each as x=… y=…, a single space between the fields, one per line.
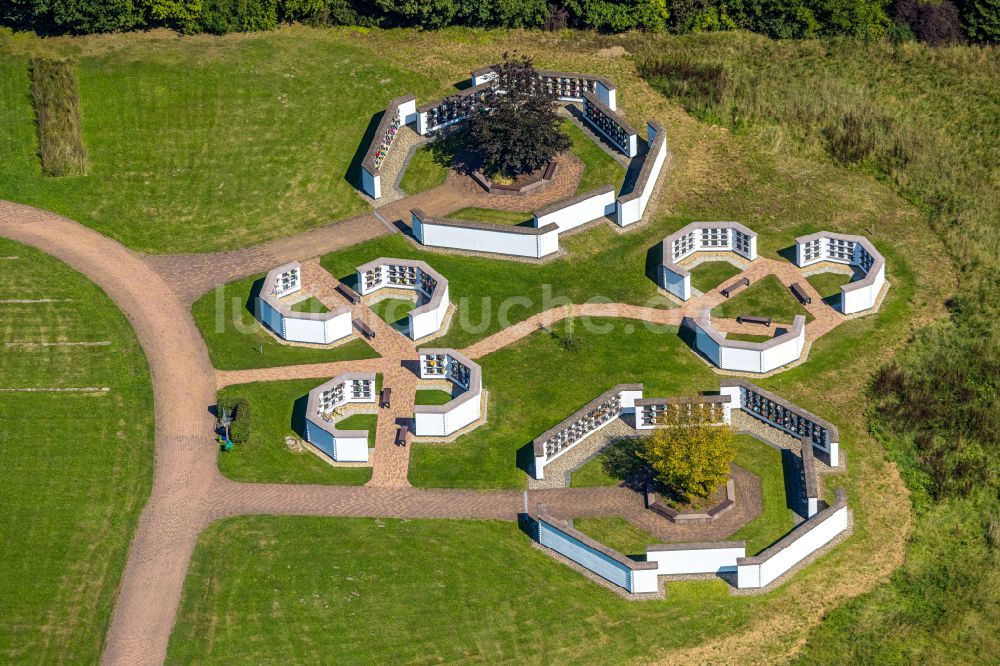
x=270 y=317
x=462 y=415
x=742 y=360
x=721 y=559
x=607 y=568
x=783 y=354
x=630 y=212
x=351 y=449
x=371 y=184
x=644 y=581
x=607 y=95
x=707 y=346
x=408 y=112
x=749 y=360
x=572 y=216
x=679 y=286
x=859 y=300
x=317 y=332
x=485 y=240
x=426 y=323
x=654 y=175
x=319 y=438
x=429 y=425
x=759 y=575
x=628 y=399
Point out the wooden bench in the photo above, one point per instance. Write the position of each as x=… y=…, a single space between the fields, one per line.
x=402 y=435
x=750 y=319
x=385 y=398
x=348 y=293
x=364 y=330
x=801 y=294
x=550 y=170
x=742 y=282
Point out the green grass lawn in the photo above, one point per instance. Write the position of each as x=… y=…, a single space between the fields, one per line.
x=592 y=472
x=233 y=336
x=766 y=298
x=423 y=172
x=777 y=519
x=599 y=168
x=367 y=422
x=618 y=534
x=482 y=288
x=311 y=304
x=278 y=409
x=280 y=589
x=748 y=337
x=76 y=468
x=708 y=275
x=207 y=144
x=538 y=371
x=492 y=215
x=432 y=397
x=828 y=285
x=393 y=310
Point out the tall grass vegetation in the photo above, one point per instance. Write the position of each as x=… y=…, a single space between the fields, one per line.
x=57 y=112
x=919 y=118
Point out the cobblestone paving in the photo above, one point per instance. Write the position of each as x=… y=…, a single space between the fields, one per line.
x=191 y=275
x=155 y=293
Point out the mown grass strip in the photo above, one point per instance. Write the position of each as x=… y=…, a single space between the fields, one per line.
x=57 y=111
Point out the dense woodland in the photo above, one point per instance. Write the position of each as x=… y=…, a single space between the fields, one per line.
x=933 y=21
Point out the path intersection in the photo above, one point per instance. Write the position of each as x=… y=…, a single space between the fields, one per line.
x=189 y=492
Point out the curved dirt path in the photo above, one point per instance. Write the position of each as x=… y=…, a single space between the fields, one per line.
x=188 y=491
x=183 y=387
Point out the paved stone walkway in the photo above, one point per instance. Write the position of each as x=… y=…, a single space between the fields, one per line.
x=188 y=492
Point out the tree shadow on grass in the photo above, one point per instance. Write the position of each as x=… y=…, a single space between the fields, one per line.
x=353 y=173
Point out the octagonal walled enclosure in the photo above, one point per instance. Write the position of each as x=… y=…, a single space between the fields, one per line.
x=749 y=409
x=744 y=356
x=273 y=310
x=597 y=97
x=430 y=287
x=854 y=251
x=465 y=409
x=697 y=237
x=335 y=400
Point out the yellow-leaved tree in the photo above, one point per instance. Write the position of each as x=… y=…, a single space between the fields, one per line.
x=689 y=451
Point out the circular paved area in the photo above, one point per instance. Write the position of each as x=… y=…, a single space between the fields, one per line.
x=155 y=293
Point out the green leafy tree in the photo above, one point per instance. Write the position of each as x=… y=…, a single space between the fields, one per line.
x=517 y=130
x=690 y=454
x=619 y=15
x=981 y=19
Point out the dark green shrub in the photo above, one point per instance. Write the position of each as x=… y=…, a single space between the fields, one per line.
x=242 y=424
x=981 y=19
x=936 y=23
x=222 y=16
